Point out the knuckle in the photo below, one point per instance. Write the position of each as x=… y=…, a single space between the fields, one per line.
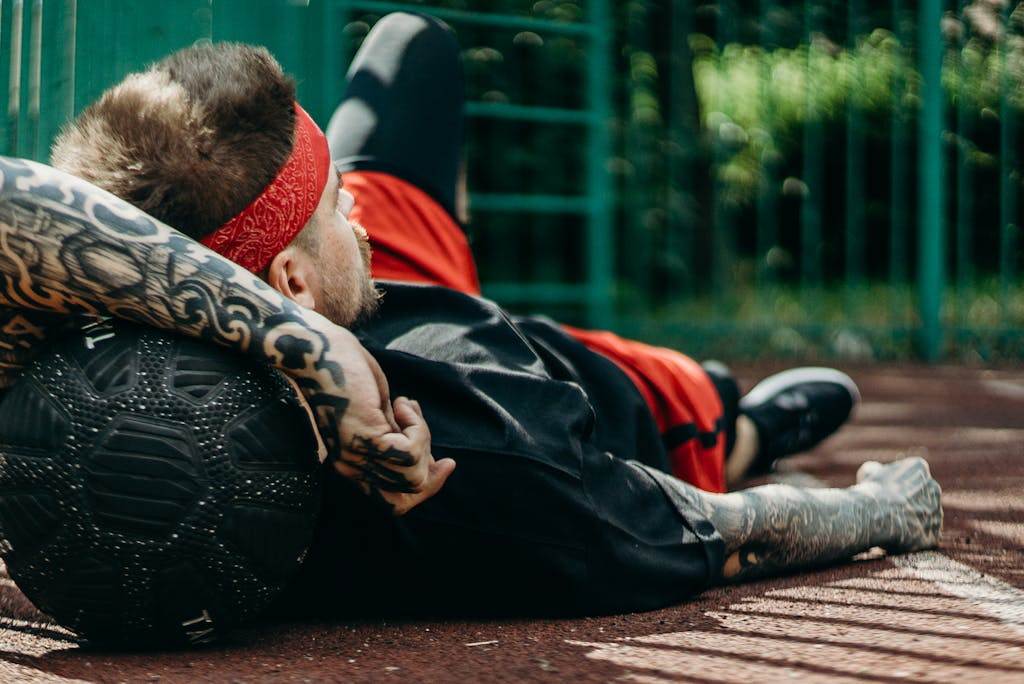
x=344 y=468
x=418 y=481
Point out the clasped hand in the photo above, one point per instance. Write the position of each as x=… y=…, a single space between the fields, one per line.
x=381 y=445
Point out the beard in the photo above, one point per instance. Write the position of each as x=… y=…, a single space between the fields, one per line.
x=349 y=297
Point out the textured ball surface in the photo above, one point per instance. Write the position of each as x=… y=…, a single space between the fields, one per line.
x=154 y=490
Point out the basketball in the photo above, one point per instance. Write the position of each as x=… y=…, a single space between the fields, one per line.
x=154 y=490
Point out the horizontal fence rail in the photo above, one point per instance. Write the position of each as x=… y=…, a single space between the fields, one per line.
x=773 y=178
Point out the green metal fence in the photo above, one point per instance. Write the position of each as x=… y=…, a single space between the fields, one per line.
x=733 y=178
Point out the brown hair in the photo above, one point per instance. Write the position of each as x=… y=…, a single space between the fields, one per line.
x=192 y=140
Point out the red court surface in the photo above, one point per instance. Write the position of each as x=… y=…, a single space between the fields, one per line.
x=952 y=615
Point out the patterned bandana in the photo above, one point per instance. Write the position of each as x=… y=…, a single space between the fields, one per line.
x=271 y=221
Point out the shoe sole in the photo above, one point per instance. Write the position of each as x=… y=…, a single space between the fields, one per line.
x=771 y=386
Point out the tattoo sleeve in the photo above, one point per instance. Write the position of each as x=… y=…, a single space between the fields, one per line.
x=778 y=528
x=68 y=248
x=22 y=333
x=775 y=529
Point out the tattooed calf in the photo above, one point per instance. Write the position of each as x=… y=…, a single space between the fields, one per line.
x=778 y=528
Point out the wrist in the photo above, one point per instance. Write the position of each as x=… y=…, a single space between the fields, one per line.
x=879 y=512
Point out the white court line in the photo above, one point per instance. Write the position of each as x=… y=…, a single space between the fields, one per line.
x=16 y=672
x=752 y=627
x=1012 y=532
x=995 y=597
x=1005 y=389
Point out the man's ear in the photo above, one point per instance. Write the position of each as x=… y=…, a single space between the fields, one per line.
x=292 y=274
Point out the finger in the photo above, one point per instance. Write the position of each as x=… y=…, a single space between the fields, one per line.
x=405 y=414
x=440 y=471
x=867 y=470
x=389 y=415
x=413 y=406
x=411 y=422
x=419 y=409
x=383 y=388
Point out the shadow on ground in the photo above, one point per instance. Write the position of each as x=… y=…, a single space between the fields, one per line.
x=949 y=616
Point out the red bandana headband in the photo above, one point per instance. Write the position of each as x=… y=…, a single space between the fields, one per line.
x=272 y=220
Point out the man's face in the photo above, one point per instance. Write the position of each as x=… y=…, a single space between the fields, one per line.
x=346 y=291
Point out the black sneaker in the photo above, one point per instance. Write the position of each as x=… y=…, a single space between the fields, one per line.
x=795 y=410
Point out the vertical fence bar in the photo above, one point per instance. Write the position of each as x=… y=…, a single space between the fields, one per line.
x=117 y=21
x=931 y=250
x=767 y=226
x=599 y=238
x=635 y=140
x=35 y=68
x=521 y=250
x=813 y=165
x=722 y=217
x=541 y=265
x=5 y=58
x=333 y=74
x=854 y=162
x=640 y=151
x=964 y=183
x=1007 y=174
x=343 y=14
x=202 y=20
x=14 y=80
x=899 y=163
x=25 y=29
x=54 y=81
x=70 y=47
x=87 y=63
x=681 y=163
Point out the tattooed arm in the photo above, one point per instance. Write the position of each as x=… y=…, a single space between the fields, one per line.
x=774 y=529
x=22 y=333
x=69 y=248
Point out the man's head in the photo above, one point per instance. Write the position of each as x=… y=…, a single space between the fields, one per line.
x=195 y=139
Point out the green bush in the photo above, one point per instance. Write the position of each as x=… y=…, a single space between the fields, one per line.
x=755 y=101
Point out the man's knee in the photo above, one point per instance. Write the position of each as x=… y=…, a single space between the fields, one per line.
x=406 y=35
x=402 y=112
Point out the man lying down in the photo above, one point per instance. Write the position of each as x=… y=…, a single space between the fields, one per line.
x=591 y=470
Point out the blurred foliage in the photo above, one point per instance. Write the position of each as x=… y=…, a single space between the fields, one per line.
x=756 y=100
x=732 y=121
x=875 y=322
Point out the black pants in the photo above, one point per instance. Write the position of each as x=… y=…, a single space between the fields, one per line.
x=561 y=503
x=402 y=111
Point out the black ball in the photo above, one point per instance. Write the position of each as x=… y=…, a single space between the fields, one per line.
x=154 y=490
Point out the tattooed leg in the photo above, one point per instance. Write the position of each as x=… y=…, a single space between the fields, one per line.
x=778 y=528
x=69 y=248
